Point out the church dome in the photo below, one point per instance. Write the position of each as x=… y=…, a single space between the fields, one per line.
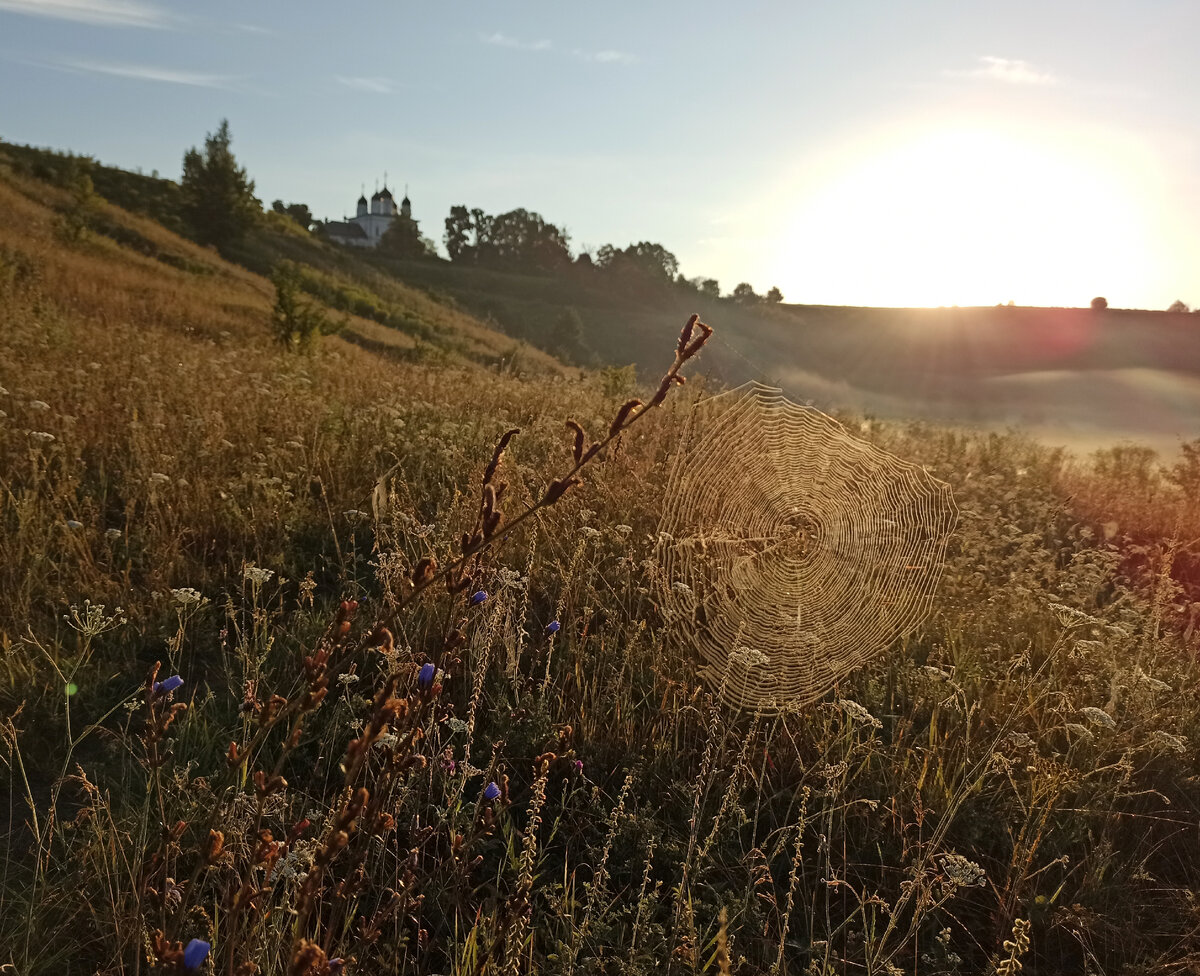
x=363 y=198
x=385 y=194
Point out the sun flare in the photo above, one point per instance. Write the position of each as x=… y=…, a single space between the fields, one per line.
x=969 y=216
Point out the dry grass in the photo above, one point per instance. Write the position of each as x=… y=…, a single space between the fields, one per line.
x=1017 y=784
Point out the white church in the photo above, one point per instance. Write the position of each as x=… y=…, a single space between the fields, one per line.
x=371 y=222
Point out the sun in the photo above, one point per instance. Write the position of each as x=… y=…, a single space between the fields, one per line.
x=968 y=215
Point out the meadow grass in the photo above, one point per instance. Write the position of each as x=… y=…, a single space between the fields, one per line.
x=1016 y=785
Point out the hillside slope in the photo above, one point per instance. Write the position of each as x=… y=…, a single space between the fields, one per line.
x=192 y=721
x=1072 y=376
x=376 y=311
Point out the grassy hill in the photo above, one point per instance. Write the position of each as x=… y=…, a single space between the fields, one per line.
x=1075 y=376
x=1071 y=376
x=1016 y=781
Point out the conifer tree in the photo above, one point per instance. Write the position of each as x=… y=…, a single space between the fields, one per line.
x=218 y=200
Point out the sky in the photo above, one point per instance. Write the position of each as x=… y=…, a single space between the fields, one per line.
x=865 y=152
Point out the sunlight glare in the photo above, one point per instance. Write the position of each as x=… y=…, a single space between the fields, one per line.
x=969 y=216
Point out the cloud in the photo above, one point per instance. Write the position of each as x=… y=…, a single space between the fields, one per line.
x=380 y=86
x=108 y=13
x=504 y=40
x=140 y=72
x=607 y=56
x=1007 y=70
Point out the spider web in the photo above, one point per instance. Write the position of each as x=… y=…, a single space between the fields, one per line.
x=791 y=553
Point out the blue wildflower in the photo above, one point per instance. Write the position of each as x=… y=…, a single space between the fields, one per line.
x=195 y=953
x=491 y=791
x=167 y=685
x=477 y=597
x=425 y=678
x=552 y=627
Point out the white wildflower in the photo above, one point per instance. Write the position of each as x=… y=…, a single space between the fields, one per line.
x=256 y=575
x=1019 y=740
x=681 y=588
x=961 y=872
x=73 y=524
x=38 y=405
x=354 y=513
x=1080 y=730
x=748 y=657
x=1176 y=743
x=347 y=679
x=185 y=595
x=857 y=713
x=1071 y=617
x=589 y=533
x=936 y=673
x=158 y=478
x=509 y=579
x=112 y=535
x=41 y=436
x=622 y=529
x=92 y=619
x=1098 y=716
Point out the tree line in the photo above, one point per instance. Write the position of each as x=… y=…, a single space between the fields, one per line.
x=523 y=241
x=218 y=205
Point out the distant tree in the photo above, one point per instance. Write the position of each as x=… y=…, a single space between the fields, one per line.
x=743 y=294
x=710 y=287
x=1099 y=304
x=481 y=231
x=1178 y=307
x=774 y=296
x=299 y=212
x=456 y=239
x=584 y=261
x=645 y=259
x=566 y=339
x=84 y=199
x=297 y=322
x=403 y=239
x=519 y=240
x=217 y=197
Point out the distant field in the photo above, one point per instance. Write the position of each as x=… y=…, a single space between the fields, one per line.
x=1075 y=376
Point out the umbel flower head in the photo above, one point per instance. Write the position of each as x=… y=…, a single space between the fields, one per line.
x=194 y=954
x=491 y=791
x=425 y=678
x=167 y=685
x=477 y=598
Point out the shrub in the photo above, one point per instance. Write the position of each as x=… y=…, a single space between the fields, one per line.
x=298 y=322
